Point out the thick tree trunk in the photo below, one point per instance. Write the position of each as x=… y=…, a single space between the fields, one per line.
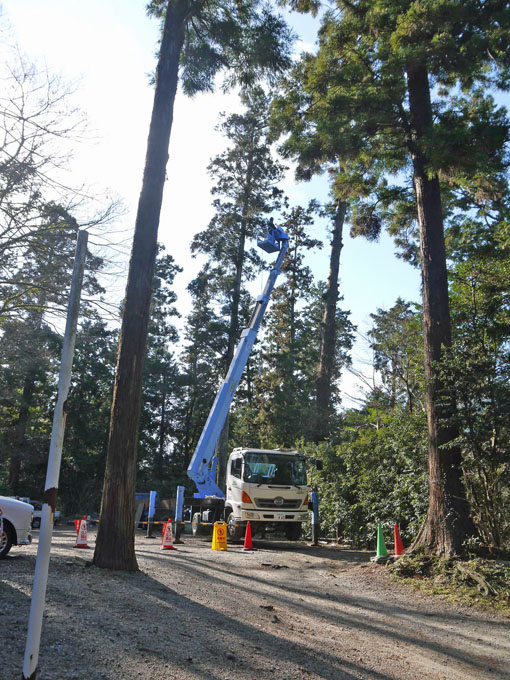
x=115 y=538
x=448 y=521
x=329 y=332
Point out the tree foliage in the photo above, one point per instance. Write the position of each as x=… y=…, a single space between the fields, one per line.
x=281 y=408
x=244 y=41
x=375 y=473
x=381 y=98
x=477 y=372
x=396 y=106
x=161 y=383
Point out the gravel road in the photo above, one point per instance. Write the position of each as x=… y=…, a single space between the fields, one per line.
x=283 y=612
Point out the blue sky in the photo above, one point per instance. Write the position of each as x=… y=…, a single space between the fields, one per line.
x=107 y=47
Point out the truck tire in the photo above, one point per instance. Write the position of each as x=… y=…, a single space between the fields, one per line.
x=235 y=532
x=5 y=540
x=293 y=531
x=36 y=523
x=196 y=525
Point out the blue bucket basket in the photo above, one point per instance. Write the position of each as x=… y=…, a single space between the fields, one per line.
x=272 y=240
x=269 y=243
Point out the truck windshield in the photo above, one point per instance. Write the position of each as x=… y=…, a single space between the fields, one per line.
x=274 y=468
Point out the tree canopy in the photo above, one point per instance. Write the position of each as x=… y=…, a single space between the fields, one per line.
x=399 y=109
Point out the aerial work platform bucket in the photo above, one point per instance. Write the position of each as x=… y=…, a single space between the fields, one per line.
x=269 y=244
x=271 y=241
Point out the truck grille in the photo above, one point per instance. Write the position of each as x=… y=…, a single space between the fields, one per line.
x=288 y=504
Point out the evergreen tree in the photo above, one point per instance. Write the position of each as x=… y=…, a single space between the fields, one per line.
x=397 y=341
x=284 y=385
x=246 y=178
x=41 y=286
x=328 y=369
x=86 y=436
x=161 y=378
x=200 y=39
x=477 y=373
x=374 y=473
x=29 y=355
x=201 y=368
x=367 y=97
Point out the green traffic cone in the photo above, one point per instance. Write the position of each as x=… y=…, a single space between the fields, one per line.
x=381 y=547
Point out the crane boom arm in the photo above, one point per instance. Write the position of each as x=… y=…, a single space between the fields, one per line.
x=202 y=467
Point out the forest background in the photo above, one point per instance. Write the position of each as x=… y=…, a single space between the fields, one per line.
x=375 y=451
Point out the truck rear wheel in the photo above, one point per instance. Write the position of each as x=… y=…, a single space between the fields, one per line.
x=196 y=524
x=293 y=531
x=234 y=530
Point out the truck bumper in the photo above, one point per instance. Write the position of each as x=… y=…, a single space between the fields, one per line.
x=273 y=516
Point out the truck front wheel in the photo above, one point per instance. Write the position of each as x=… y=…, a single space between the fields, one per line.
x=234 y=530
x=293 y=531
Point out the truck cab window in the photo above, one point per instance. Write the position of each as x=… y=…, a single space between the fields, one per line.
x=283 y=474
x=235 y=468
x=274 y=468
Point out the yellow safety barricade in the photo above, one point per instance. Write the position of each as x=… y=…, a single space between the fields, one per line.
x=219 y=539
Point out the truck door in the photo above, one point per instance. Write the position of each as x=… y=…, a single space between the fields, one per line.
x=234 y=482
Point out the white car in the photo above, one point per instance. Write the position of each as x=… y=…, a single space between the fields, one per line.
x=15 y=524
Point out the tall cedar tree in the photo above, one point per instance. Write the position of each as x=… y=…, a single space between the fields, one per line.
x=199 y=38
x=289 y=354
x=395 y=338
x=305 y=148
x=329 y=328
x=366 y=98
x=246 y=178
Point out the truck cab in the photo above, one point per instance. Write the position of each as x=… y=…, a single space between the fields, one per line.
x=269 y=489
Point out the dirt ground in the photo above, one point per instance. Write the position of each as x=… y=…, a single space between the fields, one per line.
x=284 y=612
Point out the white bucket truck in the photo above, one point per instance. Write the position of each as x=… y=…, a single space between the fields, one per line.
x=266 y=488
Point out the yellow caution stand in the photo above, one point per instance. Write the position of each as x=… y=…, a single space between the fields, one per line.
x=219 y=538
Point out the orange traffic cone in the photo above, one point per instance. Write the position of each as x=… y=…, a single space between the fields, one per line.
x=399 y=546
x=167 y=542
x=248 y=545
x=81 y=533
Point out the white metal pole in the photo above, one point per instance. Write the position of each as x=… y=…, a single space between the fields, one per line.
x=53 y=471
